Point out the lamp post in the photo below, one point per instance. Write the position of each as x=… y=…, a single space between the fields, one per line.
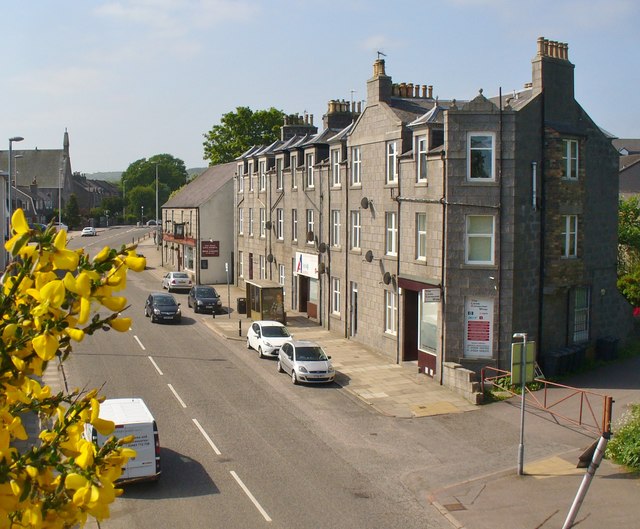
x=157 y=228
x=141 y=215
x=11 y=140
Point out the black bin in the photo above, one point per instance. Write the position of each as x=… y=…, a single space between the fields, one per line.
x=607 y=348
x=242 y=305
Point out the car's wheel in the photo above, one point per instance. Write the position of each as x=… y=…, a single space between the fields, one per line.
x=260 y=352
x=145 y=313
x=248 y=343
x=196 y=309
x=169 y=289
x=153 y=318
x=294 y=378
x=279 y=367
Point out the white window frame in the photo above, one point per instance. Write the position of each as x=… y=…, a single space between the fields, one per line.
x=581 y=314
x=294 y=225
x=240 y=221
x=335 y=227
x=471 y=235
x=262 y=171
x=391 y=233
x=250 y=172
x=281 y=275
x=250 y=222
x=310 y=177
x=263 y=223
x=336 y=179
x=310 y=224
x=241 y=178
x=421 y=236
x=263 y=267
x=356 y=230
x=570 y=159
x=335 y=296
x=569 y=236
x=421 y=159
x=279 y=174
x=240 y=263
x=475 y=148
x=280 y=224
x=392 y=162
x=294 y=171
x=356 y=166
x=390 y=313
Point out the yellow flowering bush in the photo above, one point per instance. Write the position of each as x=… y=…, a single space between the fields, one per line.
x=51 y=296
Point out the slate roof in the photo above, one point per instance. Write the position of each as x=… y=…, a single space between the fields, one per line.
x=630 y=144
x=408 y=109
x=203 y=187
x=42 y=164
x=628 y=161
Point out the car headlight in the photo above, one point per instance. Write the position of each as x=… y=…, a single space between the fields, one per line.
x=156 y=311
x=199 y=302
x=302 y=369
x=330 y=369
x=178 y=311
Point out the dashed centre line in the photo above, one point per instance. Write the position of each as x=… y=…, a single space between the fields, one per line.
x=139 y=343
x=155 y=365
x=206 y=436
x=251 y=497
x=175 y=394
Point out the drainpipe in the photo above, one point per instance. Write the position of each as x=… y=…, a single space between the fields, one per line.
x=443 y=264
x=198 y=239
x=542 y=220
x=400 y=312
x=348 y=307
x=499 y=230
x=328 y=266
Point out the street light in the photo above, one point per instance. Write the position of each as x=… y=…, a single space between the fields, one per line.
x=11 y=140
x=156 y=219
x=142 y=215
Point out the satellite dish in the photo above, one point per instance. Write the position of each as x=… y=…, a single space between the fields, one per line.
x=386 y=279
x=321 y=268
x=364 y=203
x=322 y=247
x=309 y=236
x=368 y=257
x=268 y=224
x=270 y=258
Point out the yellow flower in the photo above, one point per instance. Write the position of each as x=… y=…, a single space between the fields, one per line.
x=63 y=258
x=102 y=255
x=114 y=303
x=135 y=262
x=19 y=222
x=75 y=334
x=121 y=324
x=45 y=346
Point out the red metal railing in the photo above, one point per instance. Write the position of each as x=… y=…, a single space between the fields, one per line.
x=576 y=406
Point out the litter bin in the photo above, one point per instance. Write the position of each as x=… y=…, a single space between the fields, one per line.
x=607 y=348
x=242 y=305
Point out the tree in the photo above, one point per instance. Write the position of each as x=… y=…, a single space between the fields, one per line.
x=629 y=249
x=51 y=296
x=240 y=130
x=142 y=197
x=71 y=211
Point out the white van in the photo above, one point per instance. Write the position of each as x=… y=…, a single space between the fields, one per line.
x=132 y=417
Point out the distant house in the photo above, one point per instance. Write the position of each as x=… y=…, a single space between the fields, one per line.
x=197 y=226
x=629 y=150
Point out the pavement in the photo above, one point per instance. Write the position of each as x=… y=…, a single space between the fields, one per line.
x=482 y=489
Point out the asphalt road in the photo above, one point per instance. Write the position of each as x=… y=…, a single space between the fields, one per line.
x=241 y=446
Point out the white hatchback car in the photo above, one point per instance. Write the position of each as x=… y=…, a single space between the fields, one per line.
x=305 y=362
x=267 y=337
x=88 y=231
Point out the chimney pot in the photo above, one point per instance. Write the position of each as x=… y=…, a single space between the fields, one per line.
x=430 y=91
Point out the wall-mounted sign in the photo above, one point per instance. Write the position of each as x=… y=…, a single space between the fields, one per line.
x=478 y=338
x=306 y=265
x=430 y=295
x=210 y=248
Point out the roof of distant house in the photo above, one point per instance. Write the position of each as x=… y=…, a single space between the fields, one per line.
x=203 y=187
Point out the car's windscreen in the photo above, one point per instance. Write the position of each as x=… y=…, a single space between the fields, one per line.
x=310 y=354
x=165 y=301
x=274 y=331
x=206 y=293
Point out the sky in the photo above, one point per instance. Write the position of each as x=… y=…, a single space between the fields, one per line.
x=129 y=79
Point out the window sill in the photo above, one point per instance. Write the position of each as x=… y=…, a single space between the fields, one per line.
x=479 y=266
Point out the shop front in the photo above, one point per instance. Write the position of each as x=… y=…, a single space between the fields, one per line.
x=308 y=285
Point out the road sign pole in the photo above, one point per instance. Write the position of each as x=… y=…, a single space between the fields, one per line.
x=523 y=387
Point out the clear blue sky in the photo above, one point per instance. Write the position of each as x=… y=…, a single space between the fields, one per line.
x=132 y=78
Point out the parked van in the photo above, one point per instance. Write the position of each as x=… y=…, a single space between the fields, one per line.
x=132 y=417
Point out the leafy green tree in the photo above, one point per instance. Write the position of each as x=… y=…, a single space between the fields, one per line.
x=142 y=197
x=71 y=212
x=240 y=130
x=629 y=249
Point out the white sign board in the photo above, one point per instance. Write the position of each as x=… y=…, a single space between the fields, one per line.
x=430 y=295
x=306 y=265
x=478 y=336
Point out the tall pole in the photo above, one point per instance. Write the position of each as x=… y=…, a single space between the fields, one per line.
x=523 y=383
x=10 y=210
x=157 y=218
x=124 y=207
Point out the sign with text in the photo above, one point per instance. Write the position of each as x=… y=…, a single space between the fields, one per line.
x=430 y=295
x=306 y=265
x=210 y=249
x=478 y=339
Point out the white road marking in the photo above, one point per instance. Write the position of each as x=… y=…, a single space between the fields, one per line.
x=155 y=365
x=139 y=343
x=206 y=436
x=248 y=493
x=177 y=396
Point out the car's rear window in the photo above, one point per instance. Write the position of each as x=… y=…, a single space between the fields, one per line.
x=275 y=331
x=181 y=276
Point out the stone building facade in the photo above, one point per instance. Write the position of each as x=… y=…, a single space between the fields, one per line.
x=433 y=230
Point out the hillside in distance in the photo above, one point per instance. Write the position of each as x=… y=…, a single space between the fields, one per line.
x=114 y=176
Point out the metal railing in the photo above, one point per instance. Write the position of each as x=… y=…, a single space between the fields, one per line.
x=587 y=409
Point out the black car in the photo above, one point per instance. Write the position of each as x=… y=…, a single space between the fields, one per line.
x=204 y=299
x=162 y=307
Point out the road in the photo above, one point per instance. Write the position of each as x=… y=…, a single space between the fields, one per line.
x=241 y=446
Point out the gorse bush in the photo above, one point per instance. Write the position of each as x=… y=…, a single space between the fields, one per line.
x=624 y=447
x=51 y=296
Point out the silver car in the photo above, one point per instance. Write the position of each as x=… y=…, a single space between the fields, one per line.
x=267 y=337
x=305 y=362
x=177 y=281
